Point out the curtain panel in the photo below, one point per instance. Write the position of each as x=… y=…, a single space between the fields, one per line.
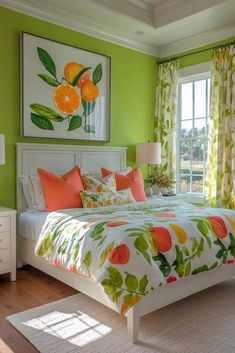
x=165 y=113
x=220 y=175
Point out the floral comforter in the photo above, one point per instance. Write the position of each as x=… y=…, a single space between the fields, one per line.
x=132 y=249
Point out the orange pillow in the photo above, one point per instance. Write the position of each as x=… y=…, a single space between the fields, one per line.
x=133 y=180
x=61 y=191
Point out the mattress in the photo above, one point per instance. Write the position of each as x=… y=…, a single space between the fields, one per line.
x=31 y=223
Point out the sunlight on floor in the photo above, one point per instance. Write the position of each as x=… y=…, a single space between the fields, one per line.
x=4 y=348
x=76 y=328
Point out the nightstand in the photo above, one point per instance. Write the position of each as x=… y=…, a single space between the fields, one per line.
x=8 y=241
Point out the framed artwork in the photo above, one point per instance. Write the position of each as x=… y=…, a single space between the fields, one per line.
x=65 y=91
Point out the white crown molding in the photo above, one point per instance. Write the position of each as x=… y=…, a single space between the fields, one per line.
x=56 y=17
x=197 y=41
x=42 y=11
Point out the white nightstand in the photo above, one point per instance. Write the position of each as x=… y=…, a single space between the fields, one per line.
x=8 y=241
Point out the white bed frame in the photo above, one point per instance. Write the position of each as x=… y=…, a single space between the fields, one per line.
x=60 y=158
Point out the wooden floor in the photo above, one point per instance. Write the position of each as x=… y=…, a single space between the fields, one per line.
x=32 y=288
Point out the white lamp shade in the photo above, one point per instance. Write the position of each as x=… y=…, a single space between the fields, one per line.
x=148 y=153
x=2 y=149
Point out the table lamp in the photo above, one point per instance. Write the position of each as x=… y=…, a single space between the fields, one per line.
x=148 y=153
x=2 y=149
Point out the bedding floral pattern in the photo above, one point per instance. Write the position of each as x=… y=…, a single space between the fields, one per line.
x=132 y=249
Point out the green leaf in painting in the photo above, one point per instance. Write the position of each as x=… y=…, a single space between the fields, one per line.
x=143 y=284
x=90 y=128
x=47 y=61
x=49 y=80
x=131 y=282
x=97 y=74
x=46 y=111
x=42 y=122
x=79 y=75
x=75 y=122
x=115 y=276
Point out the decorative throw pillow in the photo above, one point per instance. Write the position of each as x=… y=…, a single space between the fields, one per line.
x=133 y=180
x=99 y=199
x=61 y=191
x=106 y=184
x=33 y=192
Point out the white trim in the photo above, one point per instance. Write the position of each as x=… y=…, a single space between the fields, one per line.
x=195 y=70
x=70 y=22
x=197 y=41
x=43 y=12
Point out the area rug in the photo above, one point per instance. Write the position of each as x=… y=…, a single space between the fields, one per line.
x=202 y=323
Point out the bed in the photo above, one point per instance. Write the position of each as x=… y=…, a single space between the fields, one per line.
x=31 y=156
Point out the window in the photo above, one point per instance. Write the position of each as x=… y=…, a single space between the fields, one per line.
x=192 y=133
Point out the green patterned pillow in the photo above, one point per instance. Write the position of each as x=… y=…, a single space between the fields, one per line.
x=99 y=199
x=105 y=184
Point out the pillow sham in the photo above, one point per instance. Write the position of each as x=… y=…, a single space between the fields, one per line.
x=33 y=192
x=106 y=184
x=63 y=191
x=99 y=199
x=133 y=180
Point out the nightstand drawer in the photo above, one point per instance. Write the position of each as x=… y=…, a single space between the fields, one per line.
x=5 y=260
x=5 y=240
x=5 y=224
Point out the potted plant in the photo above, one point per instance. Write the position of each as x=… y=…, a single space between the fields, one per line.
x=161 y=182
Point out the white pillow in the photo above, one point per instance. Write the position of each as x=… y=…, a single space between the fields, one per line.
x=33 y=192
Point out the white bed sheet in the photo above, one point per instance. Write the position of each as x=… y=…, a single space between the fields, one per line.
x=31 y=223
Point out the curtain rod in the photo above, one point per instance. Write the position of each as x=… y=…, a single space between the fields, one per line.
x=196 y=52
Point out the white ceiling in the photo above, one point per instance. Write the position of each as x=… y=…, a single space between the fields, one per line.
x=158 y=27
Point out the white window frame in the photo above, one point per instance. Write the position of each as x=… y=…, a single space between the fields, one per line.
x=189 y=74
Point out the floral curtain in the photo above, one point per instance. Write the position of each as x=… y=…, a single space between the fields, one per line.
x=165 y=113
x=220 y=178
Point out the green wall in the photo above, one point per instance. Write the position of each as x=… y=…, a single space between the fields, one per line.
x=133 y=77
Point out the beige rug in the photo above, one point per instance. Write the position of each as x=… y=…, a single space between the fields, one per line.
x=202 y=323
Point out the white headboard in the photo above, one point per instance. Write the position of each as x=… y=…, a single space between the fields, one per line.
x=61 y=158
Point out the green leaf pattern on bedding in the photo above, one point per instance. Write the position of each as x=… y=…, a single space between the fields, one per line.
x=132 y=249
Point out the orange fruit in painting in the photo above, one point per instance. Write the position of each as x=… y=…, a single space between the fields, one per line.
x=89 y=91
x=161 y=238
x=66 y=99
x=72 y=69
